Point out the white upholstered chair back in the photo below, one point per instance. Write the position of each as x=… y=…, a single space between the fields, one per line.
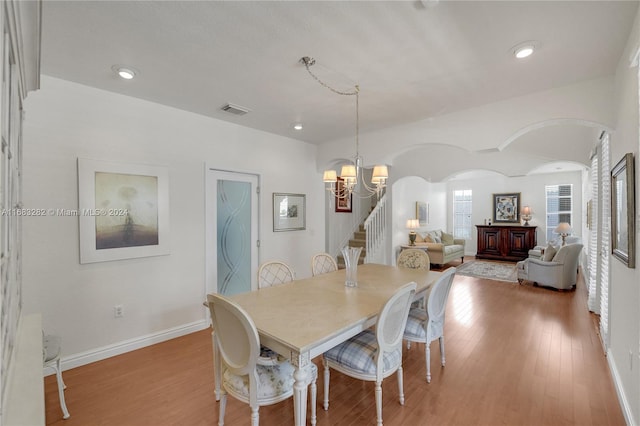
x=274 y=273
x=414 y=259
x=322 y=263
x=437 y=302
x=392 y=320
x=238 y=339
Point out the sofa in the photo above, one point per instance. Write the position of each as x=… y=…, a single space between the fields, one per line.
x=441 y=247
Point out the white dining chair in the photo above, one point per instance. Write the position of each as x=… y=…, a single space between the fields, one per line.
x=374 y=355
x=414 y=259
x=242 y=377
x=273 y=273
x=322 y=263
x=427 y=325
x=51 y=350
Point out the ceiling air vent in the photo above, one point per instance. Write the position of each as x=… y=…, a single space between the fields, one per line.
x=235 y=109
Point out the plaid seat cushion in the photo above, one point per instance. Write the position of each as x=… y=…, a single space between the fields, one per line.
x=415 y=324
x=273 y=381
x=358 y=354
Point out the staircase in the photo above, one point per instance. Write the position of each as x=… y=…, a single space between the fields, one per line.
x=359 y=240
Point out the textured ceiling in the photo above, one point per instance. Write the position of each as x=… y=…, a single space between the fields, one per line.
x=411 y=61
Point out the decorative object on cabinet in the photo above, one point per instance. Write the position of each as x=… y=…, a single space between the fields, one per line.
x=503 y=242
x=623 y=211
x=563 y=229
x=123 y=210
x=526 y=215
x=412 y=225
x=422 y=213
x=343 y=204
x=352 y=174
x=289 y=212
x=506 y=208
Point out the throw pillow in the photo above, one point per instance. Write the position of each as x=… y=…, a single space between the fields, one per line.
x=428 y=239
x=437 y=240
x=549 y=253
x=447 y=239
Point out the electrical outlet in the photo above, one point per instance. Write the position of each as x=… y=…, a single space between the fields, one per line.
x=118 y=311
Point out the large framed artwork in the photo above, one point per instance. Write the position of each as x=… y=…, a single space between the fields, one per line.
x=506 y=208
x=623 y=211
x=123 y=210
x=289 y=212
x=343 y=204
x=422 y=213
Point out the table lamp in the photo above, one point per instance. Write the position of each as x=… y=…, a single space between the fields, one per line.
x=563 y=229
x=412 y=225
x=526 y=215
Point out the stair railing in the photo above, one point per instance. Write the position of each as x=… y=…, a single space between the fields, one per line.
x=375 y=226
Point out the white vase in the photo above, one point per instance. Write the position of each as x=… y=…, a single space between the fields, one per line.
x=351 y=256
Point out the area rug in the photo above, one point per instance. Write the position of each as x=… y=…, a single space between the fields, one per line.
x=489 y=270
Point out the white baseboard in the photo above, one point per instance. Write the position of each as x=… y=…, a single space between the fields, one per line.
x=617 y=382
x=83 y=358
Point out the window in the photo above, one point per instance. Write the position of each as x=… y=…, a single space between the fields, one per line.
x=559 y=207
x=462 y=213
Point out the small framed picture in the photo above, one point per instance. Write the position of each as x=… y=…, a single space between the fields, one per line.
x=422 y=213
x=289 y=212
x=343 y=203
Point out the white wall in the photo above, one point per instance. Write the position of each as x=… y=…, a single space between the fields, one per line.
x=66 y=121
x=624 y=294
x=404 y=195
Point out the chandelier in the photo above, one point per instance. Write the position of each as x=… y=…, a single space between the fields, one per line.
x=352 y=180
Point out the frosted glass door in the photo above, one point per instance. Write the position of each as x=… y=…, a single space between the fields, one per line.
x=234 y=237
x=231 y=232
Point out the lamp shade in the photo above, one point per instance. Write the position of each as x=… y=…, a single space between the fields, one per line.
x=563 y=228
x=413 y=223
x=330 y=176
x=348 y=172
x=380 y=174
x=526 y=211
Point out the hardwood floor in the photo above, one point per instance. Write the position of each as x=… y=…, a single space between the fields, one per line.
x=516 y=355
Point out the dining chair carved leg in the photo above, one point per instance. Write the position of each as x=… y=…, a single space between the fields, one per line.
x=400 y=385
x=379 y=402
x=442 y=349
x=61 y=388
x=255 y=415
x=325 y=402
x=427 y=356
x=222 y=407
x=314 y=394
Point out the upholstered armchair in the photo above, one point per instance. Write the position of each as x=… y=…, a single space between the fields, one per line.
x=560 y=272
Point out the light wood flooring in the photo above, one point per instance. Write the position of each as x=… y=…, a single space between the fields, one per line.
x=516 y=355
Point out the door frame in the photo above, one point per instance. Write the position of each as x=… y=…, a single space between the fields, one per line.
x=211 y=267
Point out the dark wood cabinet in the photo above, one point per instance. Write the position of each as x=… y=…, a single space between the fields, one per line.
x=501 y=242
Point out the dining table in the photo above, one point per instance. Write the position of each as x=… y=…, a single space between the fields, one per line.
x=304 y=318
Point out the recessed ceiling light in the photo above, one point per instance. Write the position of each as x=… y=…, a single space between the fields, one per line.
x=524 y=50
x=297 y=126
x=125 y=72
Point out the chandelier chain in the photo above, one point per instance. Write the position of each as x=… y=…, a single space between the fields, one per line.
x=307 y=61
